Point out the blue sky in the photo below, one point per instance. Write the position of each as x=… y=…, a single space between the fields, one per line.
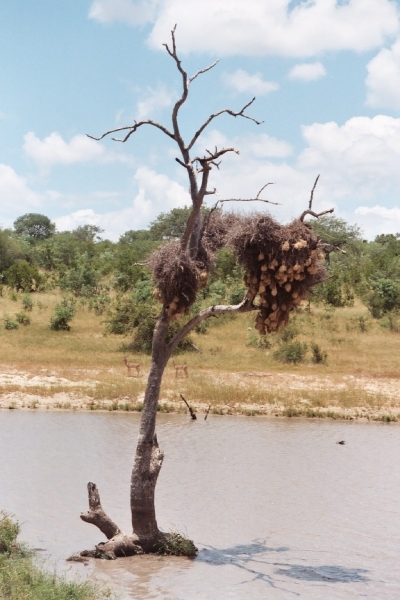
x=325 y=73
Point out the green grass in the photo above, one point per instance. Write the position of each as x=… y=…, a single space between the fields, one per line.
x=21 y=578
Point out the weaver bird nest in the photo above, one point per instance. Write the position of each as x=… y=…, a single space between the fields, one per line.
x=282 y=263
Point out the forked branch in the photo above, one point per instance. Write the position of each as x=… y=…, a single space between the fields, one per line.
x=97 y=516
x=311 y=212
x=228 y=111
x=131 y=129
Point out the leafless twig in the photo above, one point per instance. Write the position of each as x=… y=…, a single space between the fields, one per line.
x=311 y=212
x=192 y=413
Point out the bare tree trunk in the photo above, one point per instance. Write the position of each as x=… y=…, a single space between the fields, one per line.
x=149 y=457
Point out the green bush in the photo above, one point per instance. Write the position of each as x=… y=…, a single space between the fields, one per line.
x=9 y=531
x=27 y=302
x=236 y=294
x=22 y=579
x=23 y=318
x=291 y=352
x=258 y=341
x=287 y=334
x=385 y=297
x=318 y=355
x=21 y=275
x=99 y=304
x=63 y=314
x=9 y=323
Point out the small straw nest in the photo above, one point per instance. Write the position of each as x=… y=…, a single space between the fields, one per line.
x=177 y=276
x=282 y=263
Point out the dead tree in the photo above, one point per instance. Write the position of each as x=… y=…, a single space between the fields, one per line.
x=281 y=264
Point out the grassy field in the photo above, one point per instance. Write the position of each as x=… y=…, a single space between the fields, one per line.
x=83 y=368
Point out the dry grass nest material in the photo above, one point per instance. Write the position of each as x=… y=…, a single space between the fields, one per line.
x=282 y=263
x=177 y=276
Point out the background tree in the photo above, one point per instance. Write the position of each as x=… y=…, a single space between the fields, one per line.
x=34 y=226
x=280 y=263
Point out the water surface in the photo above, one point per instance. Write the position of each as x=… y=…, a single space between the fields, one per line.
x=277 y=508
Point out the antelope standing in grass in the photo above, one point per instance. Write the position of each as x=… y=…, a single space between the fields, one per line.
x=131 y=366
x=182 y=368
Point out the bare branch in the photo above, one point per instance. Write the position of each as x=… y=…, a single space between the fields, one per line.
x=132 y=129
x=96 y=514
x=201 y=71
x=228 y=111
x=312 y=194
x=314 y=214
x=192 y=413
x=211 y=192
x=250 y=200
x=212 y=311
x=178 y=160
x=263 y=188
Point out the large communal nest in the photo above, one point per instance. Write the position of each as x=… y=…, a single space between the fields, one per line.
x=282 y=263
x=177 y=276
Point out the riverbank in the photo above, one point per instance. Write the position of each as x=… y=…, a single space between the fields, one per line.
x=357 y=377
x=21 y=577
x=223 y=393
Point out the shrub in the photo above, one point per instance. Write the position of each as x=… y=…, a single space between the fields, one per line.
x=318 y=356
x=21 y=275
x=63 y=313
x=99 y=304
x=23 y=318
x=237 y=294
x=81 y=281
x=385 y=297
x=291 y=352
x=9 y=531
x=27 y=302
x=287 y=334
x=9 y=323
x=259 y=341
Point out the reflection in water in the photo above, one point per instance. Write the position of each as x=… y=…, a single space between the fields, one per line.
x=324 y=573
x=277 y=509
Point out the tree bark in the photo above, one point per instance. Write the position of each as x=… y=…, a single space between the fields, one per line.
x=149 y=457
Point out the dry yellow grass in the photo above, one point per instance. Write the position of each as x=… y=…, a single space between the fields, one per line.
x=83 y=368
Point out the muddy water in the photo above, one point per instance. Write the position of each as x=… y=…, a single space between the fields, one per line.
x=277 y=508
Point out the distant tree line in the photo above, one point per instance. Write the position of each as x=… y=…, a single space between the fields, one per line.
x=34 y=256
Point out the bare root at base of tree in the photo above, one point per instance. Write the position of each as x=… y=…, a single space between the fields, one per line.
x=281 y=265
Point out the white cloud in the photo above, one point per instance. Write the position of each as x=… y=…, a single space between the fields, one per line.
x=241 y=81
x=307 y=71
x=383 y=79
x=153 y=100
x=53 y=150
x=254 y=27
x=16 y=195
x=127 y=11
x=378 y=219
x=157 y=193
x=361 y=158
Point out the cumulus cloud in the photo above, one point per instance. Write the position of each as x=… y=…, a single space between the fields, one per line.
x=126 y=11
x=383 y=79
x=53 y=150
x=157 y=193
x=251 y=27
x=360 y=157
x=152 y=101
x=17 y=197
x=241 y=81
x=307 y=71
x=378 y=219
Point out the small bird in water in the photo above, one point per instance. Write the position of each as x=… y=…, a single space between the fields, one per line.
x=342 y=442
